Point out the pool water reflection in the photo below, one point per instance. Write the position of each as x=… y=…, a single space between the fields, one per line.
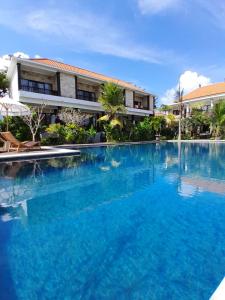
x=124 y=222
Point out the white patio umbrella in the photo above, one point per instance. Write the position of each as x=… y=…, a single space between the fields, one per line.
x=12 y=108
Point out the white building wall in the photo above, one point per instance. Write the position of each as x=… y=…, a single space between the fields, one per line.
x=67 y=83
x=129 y=98
x=14 y=88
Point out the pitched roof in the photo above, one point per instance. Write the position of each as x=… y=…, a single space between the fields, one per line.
x=83 y=72
x=206 y=91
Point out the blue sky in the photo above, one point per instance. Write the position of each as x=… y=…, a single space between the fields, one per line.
x=148 y=42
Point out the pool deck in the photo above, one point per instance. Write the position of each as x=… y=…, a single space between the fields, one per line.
x=219 y=293
x=46 y=152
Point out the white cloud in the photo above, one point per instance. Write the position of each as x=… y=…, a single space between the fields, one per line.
x=168 y=97
x=216 y=11
x=84 y=31
x=21 y=55
x=4 y=62
x=189 y=81
x=156 y=6
x=102 y=37
x=5 y=59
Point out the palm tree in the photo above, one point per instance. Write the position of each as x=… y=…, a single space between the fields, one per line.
x=112 y=100
x=156 y=124
x=179 y=99
x=218 y=117
x=4 y=84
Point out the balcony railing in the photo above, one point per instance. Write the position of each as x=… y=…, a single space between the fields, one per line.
x=86 y=95
x=38 y=90
x=141 y=107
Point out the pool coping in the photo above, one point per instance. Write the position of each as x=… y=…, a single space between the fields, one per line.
x=45 y=153
x=219 y=293
x=197 y=141
x=105 y=144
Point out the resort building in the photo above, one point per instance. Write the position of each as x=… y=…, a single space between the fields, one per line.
x=204 y=97
x=37 y=81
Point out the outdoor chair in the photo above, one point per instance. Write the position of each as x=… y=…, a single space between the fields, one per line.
x=14 y=144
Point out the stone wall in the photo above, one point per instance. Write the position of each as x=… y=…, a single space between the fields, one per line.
x=89 y=88
x=129 y=98
x=151 y=103
x=67 y=84
x=40 y=77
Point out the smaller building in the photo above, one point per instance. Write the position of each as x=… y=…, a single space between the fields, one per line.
x=204 y=97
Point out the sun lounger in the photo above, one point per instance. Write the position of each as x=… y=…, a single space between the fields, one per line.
x=14 y=144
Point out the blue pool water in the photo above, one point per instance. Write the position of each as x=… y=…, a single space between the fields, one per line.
x=125 y=222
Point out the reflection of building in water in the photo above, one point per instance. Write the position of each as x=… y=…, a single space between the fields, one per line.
x=190 y=186
x=88 y=189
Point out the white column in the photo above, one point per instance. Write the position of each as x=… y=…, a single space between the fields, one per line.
x=187 y=110
x=211 y=103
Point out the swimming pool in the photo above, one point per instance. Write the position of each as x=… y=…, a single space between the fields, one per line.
x=124 y=222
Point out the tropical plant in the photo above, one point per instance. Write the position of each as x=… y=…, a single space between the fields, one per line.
x=34 y=119
x=75 y=134
x=55 y=135
x=218 y=118
x=4 y=84
x=193 y=124
x=170 y=120
x=112 y=100
x=91 y=133
x=165 y=108
x=156 y=123
x=179 y=99
x=18 y=128
x=143 y=131
x=73 y=116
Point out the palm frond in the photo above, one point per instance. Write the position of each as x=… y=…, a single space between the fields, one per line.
x=116 y=122
x=104 y=118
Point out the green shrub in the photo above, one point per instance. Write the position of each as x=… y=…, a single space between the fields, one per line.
x=55 y=135
x=115 y=133
x=70 y=134
x=143 y=131
x=91 y=133
x=18 y=128
x=75 y=134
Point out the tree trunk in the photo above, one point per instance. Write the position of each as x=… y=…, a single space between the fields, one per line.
x=33 y=137
x=179 y=133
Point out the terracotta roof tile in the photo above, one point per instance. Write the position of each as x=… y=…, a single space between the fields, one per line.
x=83 y=72
x=205 y=91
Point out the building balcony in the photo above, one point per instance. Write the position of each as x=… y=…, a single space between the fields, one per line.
x=86 y=95
x=141 y=102
x=140 y=107
x=38 y=90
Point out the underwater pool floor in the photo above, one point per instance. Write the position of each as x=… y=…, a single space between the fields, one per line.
x=125 y=222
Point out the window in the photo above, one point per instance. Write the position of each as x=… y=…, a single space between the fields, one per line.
x=138 y=104
x=85 y=95
x=36 y=86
